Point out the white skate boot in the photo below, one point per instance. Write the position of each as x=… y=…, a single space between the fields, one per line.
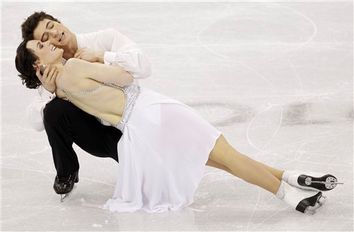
x=310 y=180
x=301 y=200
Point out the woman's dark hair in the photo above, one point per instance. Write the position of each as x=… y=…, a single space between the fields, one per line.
x=31 y=23
x=24 y=61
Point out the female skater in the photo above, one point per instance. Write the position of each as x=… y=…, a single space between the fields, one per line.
x=165 y=145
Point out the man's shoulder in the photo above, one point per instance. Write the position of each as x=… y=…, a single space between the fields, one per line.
x=92 y=39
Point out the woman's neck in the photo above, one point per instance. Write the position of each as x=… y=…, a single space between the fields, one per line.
x=60 y=68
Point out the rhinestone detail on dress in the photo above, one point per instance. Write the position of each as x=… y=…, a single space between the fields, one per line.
x=131 y=93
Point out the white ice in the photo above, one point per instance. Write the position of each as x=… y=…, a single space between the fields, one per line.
x=276 y=78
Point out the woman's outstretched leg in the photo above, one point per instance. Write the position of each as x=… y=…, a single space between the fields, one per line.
x=224 y=156
x=275 y=172
x=300 y=179
x=242 y=166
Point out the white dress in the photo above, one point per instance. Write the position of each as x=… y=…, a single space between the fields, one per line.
x=162 y=153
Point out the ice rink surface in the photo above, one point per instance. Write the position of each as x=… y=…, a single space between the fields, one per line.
x=276 y=78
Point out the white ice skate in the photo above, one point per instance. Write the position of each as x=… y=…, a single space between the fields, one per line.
x=310 y=180
x=304 y=201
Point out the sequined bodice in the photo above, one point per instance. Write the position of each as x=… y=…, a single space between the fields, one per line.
x=131 y=93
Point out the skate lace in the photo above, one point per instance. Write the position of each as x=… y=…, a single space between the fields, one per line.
x=65 y=179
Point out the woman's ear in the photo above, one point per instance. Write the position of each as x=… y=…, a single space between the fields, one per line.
x=40 y=67
x=36 y=65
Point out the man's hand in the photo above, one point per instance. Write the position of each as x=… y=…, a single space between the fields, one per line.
x=48 y=78
x=89 y=55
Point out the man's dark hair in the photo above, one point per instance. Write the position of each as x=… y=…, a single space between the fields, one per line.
x=24 y=61
x=31 y=23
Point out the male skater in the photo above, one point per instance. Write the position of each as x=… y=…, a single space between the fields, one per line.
x=64 y=123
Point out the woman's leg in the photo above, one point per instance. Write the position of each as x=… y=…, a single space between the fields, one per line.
x=214 y=164
x=275 y=172
x=225 y=156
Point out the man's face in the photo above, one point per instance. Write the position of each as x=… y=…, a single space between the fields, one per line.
x=54 y=32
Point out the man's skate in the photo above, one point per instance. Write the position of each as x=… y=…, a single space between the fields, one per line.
x=64 y=185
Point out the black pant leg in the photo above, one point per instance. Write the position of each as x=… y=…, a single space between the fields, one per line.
x=66 y=124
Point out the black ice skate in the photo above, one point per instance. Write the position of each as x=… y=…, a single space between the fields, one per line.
x=64 y=185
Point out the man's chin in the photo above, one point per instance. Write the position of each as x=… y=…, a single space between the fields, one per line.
x=60 y=46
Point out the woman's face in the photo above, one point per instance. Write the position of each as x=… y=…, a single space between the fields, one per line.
x=46 y=52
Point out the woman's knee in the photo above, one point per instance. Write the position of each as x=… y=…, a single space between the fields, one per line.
x=222 y=151
x=214 y=164
x=218 y=149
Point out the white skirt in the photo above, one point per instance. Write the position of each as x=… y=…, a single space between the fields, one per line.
x=162 y=155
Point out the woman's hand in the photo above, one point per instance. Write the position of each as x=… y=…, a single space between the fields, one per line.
x=48 y=77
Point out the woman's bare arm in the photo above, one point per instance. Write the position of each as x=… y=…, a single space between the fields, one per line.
x=100 y=72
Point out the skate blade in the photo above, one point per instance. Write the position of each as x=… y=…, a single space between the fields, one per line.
x=63 y=196
x=311 y=210
x=325 y=182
